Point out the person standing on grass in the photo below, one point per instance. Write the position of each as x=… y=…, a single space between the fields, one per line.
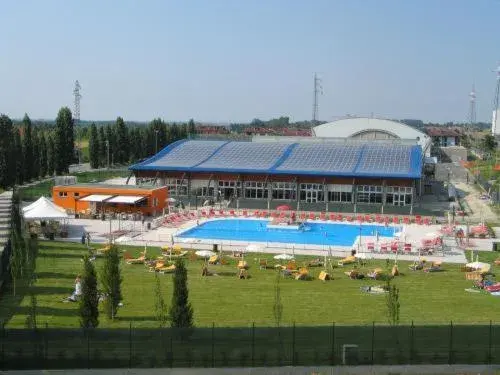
x=78 y=290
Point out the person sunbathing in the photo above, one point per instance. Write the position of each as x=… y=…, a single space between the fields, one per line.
x=78 y=290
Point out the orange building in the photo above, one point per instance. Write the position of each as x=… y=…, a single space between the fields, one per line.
x=101 y=198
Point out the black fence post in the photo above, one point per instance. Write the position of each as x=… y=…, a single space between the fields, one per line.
x=171 y=349
x=253 y=344
x=333 y=344
x=293 y=344
x=213 y=345
x=412 y=327
x=450 y=353
x=490 y=338
x=373 y=342
x=87 y=333
x=130 y=346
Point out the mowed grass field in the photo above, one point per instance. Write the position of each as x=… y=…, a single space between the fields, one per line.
x=226 y=301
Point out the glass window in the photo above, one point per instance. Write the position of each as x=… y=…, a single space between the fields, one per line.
x=369 y=194
x=284 y=191
x=256 y=190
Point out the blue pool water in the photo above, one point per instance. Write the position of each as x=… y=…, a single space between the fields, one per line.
x=312 y=233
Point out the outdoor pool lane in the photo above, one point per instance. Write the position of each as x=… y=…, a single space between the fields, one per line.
x=316 y=233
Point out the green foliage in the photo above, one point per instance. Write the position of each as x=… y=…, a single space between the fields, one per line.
x=489 y=145
x=50 y=155
x=7 y=162
x=18 y=157
x=27 y=148
x=160 y=308
x=89 y=302
x=181 y=312
x=392 y=302
x=31 y=319
x=64 y=141
x=102 y=147
x=42 y=152
x=36 y=156
x=111 y=282
x=122 y=148
x=94 y=150
x=278 y=304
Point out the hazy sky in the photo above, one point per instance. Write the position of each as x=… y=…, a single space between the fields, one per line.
x=235 y=60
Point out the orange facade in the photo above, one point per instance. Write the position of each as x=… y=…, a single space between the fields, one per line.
x=70 y=198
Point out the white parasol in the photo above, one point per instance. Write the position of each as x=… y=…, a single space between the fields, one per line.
x=205 y=253
x=284 y=257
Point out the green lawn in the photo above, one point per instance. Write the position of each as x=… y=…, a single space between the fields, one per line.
x=34 y=192
x=228 y=301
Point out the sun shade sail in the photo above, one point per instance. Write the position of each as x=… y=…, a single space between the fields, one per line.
x=126 y=199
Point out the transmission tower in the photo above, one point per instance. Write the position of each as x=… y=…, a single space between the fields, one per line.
x=76 y=117
x=495 y=104
x=78 y=96
x=318 y=90
x=472 y=108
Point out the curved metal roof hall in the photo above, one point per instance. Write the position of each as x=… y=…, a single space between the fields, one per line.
x=288 y=158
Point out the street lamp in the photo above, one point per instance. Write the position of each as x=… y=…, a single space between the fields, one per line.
x=156 y=141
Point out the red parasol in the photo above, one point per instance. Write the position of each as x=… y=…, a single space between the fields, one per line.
x=284 y=207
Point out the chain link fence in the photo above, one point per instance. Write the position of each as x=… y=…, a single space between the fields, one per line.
x=249 y=347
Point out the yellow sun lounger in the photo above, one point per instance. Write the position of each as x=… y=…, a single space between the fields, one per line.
x=324 y=276
x=242 y=264
x=214 y=259
x=169 y=269
x=347 y=260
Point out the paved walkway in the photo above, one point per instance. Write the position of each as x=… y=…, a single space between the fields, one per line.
x=480 y=208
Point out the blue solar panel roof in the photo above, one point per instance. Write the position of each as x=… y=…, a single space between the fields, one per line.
x=324 y=159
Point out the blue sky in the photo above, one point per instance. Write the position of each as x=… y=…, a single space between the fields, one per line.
x=235 y=60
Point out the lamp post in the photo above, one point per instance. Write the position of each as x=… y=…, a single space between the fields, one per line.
x=107 y=147
x=156 y=141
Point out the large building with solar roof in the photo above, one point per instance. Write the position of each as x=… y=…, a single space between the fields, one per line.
x=306 y=173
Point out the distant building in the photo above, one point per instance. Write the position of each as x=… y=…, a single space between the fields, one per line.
x=444 y=137
x=367 y=129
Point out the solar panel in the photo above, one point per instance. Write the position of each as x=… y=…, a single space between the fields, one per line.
x=322 y=157
x=385 y=159
x=187 y=154
x=246 y=155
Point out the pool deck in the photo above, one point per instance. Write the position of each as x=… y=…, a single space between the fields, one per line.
x=134 y=233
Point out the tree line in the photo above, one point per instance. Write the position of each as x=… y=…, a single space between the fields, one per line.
x=122 y=144
x=28 y=153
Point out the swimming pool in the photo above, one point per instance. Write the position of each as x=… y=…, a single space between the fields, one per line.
x=313 y=233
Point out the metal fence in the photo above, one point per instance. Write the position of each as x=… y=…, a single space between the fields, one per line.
x=50 y=348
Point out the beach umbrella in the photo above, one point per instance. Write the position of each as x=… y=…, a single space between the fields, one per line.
x=254 y=248
x=205 y=253
x=283 y=257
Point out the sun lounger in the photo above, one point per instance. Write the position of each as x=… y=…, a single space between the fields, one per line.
x=376 y=274
x=242 y=264
x=324 y=276
x=214 y=259
x=243 y=274
x=169 y=269
x=262 y=264
x=139 y=260
x=347 y=260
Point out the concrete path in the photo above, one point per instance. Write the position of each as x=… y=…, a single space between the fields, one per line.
x=480 y=208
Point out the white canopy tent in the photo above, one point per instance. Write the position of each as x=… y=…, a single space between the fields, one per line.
x=44 y=209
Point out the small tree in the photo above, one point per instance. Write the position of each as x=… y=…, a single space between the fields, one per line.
x=181 y=312
x=89 y=302
x=278 y=305
x=161 y=311
x=16 y=262
x=31 y=318
x=392 y=301
x=111 y=282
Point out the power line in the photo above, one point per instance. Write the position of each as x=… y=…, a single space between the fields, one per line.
x=495 y=104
